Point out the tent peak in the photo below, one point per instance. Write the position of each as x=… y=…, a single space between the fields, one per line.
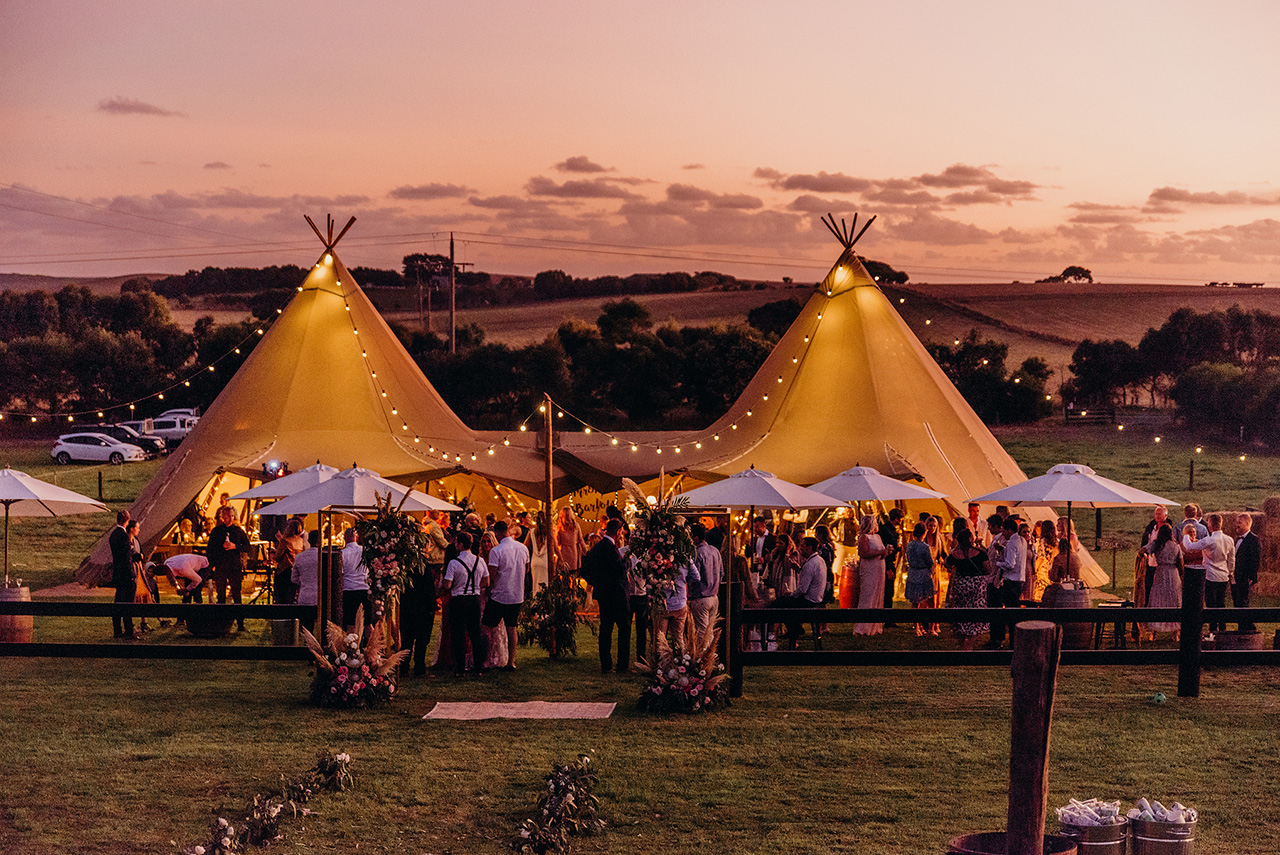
x=846 y=233
x=330 y=242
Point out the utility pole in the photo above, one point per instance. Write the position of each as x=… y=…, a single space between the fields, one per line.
x=453 y=295
x=550 y=496
x=417 y=273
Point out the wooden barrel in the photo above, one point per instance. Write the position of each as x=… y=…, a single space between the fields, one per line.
x=1238 y=640
x=848 y=585
x=993 y=843
x=1097 y=839
x=1075 y=636
x=16 y=628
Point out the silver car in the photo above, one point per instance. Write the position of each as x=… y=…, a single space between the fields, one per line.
x=94 y=447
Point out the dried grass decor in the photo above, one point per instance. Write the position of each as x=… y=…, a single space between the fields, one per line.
x=685 y=682
x=348 y=676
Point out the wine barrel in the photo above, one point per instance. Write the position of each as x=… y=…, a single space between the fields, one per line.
x=1075 y=636
x=993 y=843
x=16 y=628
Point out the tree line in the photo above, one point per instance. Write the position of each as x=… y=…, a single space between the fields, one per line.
x=1221 y=369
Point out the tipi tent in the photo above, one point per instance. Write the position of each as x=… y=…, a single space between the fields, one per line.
x=329 y=382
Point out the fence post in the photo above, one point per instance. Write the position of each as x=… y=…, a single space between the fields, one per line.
x=1036 y=646
x=734 y=645
x=1192 y=627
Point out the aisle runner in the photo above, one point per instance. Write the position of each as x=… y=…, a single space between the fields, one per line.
x=528 y=709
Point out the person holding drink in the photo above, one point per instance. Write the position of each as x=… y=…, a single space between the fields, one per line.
x=228 y=553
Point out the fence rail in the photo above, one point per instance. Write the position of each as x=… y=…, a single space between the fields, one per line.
x=1189 y=656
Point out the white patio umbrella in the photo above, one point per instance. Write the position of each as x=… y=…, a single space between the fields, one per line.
x=864 y=484
x=755 y=488
x=1072 y=484
x=294 y=482
x=24 y=496
x=355 y=489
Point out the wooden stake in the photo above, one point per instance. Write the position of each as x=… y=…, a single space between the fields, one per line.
x=1036 y=645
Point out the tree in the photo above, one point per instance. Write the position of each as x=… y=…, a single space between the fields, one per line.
x=883 y=273
x=1104 y=368
x=424 y=266
x=550 y=284
x=1077 y=274
x=774 y=319
x=621 y=322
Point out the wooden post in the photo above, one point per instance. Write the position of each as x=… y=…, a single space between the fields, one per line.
x=549 y=496
x=733 y=629
x=1036 y=645
x=1192 y=626
x=99 y=485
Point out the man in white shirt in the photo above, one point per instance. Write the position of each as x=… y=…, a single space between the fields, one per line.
x=507 y=563
x=704 y=597
x=810 y=588
x=355 y=579
x=1011 y=572
x=464 y=578
x=192 y=569
x=1219 y=560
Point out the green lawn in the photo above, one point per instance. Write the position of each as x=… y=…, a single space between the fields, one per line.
x=122 y=757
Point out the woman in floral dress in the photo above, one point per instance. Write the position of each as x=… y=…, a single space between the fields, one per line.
x=968 y=566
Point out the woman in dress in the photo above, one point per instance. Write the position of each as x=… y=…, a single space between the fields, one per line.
x=920 y=575
x=289 y=544
x=1046 y=550
x=968 y=565
x=1166 y=585
x=871 y=554
x=781 y=566
x=936 y=541
x=496 y=637
x=571 y=545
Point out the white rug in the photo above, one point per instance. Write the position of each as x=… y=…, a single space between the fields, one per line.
x=528 y=709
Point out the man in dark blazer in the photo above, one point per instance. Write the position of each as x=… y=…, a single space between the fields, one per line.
x=605 y=570
x=122 y=573
x=1248 y=560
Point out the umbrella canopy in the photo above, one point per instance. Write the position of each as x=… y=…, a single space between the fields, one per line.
x=294 y=482
x=755 y=488
x=356 y=489
x=1072 y=484
x=864 y=484
x=24 y=496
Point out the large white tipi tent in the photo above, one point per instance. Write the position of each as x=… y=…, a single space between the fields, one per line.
x=329 y=382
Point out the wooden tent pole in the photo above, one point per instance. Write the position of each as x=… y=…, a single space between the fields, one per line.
x=549 y=496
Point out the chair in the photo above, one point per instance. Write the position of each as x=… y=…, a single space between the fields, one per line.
x=1119 y=639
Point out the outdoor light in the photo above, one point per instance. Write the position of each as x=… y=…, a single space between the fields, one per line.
x=819 y=315
x=394 y=411
x=613 y=441
x=806 y=339
x=733 y=427
x=542 y=409
x=186 y=382
x=279 y=311
x=210 y=367
x=677 y=449
x=795 y=359
x=766 y=397
x=417 y=439
x=749 y=412
x=1157 y=439
x=364 y=353
x=130 y=407
x=957 y=341
x=586 y=430
x=70 y=419
x=523 y=428
x=259 y=332
x=356 y=331
x=926 y=323
x=384 y=393
x=1017 y=379
x=697 y=445
x=404 y=427
x=33 y=418
x=1242 y=457
x=559 y=414
x=902 y=299
x=99 y=414
x=779 y=378
x=300 y=288
x=328 y=259
x=716 y=437
x=431 y=448
x=1119 y=427
x=375 y=375
x=506 y=441
x=659 y=450
x=633 y=448
x=1199 y=449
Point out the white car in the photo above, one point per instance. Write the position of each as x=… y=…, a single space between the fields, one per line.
x=173 y=429
x=94 y=447
x=180 y=411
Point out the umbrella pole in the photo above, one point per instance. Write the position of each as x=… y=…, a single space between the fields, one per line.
x=6 y=544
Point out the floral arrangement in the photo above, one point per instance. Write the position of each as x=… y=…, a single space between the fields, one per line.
x=567 y=809
x=660 y=543
x=550 y=618
x=348 y=676
x=685 y=682
x=395 y=551
x=263 y=815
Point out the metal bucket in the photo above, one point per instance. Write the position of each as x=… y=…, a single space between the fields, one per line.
x=993 y=843
x=1232 y=640
x=1161 y=838
x=1097 y=839
x=284 y=633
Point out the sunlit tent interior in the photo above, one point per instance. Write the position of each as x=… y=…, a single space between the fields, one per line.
x=848 y=384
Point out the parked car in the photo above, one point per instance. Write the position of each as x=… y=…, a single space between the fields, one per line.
x=172 y=428
x=150 y=443
x=94 y=447
x=180 y=411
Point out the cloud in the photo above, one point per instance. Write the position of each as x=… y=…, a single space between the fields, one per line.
x=122 y=106
x=229 y=199
x=925 y=227
x=690 y=193
x=594 y=188
x=694 y=166
x=510 y=204
x=822 y=182
x=991 y=189
x=580 y=163
x=1092 y=213
x=1174 y=195
x=422 y=192
x=1015 y=236
x=809 y=204
x=217 y=164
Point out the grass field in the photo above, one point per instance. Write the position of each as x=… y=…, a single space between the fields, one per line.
x=124 y=757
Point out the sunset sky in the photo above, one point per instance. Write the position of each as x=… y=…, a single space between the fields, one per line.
x=993 y=140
